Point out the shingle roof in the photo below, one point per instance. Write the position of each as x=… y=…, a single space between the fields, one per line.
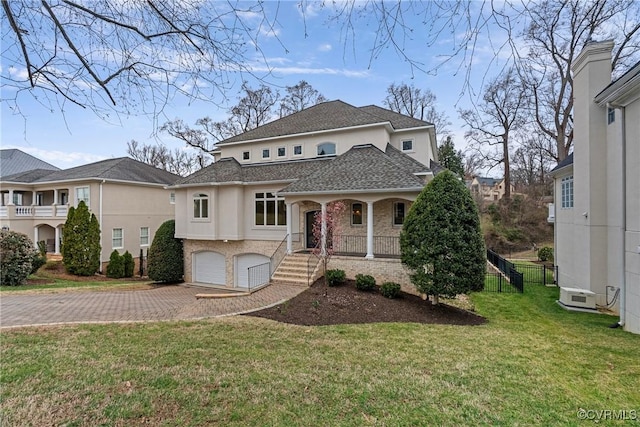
x=489 y=182
x=566 y=162
x=326 y=116
x=229 y=170
x=28 y=176
x=405 y=162
x=13 y=161
x=362 y=168
x=121 y=169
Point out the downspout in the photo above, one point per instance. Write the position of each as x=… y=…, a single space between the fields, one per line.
x=100 y=220
x=623 y=226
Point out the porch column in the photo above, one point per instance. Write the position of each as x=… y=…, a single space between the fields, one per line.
x=55 y=196
x=35 y=237
x=369 y=230
x=10 y=197
x=33 y=198
x=57 y=242
x=323 y=230
x=289 y=239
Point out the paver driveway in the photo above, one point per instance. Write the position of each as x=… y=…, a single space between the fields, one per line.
x=162 y=303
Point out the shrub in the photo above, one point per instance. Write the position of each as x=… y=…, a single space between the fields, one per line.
x=390 y=289
x=38 y=261
x=115 y=269
x=52 y=265
x=165 y=259
x=335 y=277
x=545 y=254
x=16 y=258
x=365 y=282
x=129 y=265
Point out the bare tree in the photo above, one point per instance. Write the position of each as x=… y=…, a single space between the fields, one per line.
x=496 y=120
x=299 y=97
x=177 y=161
x=254 y=108
x=473 y=162
x=127 y=56
x=556 y=34
x=417 y=103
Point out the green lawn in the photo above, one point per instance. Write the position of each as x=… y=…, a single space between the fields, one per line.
x=532 y=364
x=57 y=284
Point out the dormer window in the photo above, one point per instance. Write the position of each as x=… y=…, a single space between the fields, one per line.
x=266 y=153
x=282 y=151
x=246 y=155
x=327 y=149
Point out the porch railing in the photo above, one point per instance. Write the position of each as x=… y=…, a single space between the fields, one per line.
x=259 y=276
x=357 y=245
x=50 y=211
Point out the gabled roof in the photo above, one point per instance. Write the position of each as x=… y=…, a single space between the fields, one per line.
x=119 y=169
x=327 y=116
x=362 y=168
x=620 y=86
x=13 y=161
x=489 y=182
x=568 y=161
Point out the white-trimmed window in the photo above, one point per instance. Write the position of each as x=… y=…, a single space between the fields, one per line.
x=39 y=199
x=266 y=153
x=172 y=197
x=567 y=191
x=282 y=151
x=270 y=210
x=117 y=238
x=144 y=236
x=64 y=197
x=356 y=213
x=200 y=206
x=82 y=195
x=407 y=145
x=326 y=149
x=611 y=115
x=297 y=150
x=399 y=211
x=246 y=155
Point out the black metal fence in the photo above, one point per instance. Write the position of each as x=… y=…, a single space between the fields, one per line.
x=518 y=274
x=497 y=282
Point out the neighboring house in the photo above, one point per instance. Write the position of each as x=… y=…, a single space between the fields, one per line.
x=128 y=198
x=597 y=188
x=258 y=201
x=487 y=189
x=13 y=161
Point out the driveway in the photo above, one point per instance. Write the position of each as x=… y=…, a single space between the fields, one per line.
x=161 y=303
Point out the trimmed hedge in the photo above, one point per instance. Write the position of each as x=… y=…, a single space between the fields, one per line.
x=115 y=269
x=166 y=259
x=129 y=264
x=16 y=258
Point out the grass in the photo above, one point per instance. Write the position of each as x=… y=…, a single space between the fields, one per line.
x=57 y=284
x=532 y=364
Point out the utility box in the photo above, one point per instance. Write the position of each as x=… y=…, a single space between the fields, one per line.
x=578 y=298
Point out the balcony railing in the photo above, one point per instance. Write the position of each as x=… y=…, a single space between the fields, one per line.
x=51 y=211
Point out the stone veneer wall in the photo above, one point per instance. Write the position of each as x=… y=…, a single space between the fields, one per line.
x=383 y=269
x=228 y=249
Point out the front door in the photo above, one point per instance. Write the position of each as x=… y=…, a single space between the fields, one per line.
x=310 y=219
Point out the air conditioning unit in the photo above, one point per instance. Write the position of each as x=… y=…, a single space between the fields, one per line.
x=577 y=298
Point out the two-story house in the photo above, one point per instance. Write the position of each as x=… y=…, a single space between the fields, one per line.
x=597 y=188
x=128 y=198
x=487 y=189
x=261 y=196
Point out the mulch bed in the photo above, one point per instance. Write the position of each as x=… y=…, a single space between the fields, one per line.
x=324 y=305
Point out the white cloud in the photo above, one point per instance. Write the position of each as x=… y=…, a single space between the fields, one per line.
x=312 y=70
x=61 y=159
x=325 y=47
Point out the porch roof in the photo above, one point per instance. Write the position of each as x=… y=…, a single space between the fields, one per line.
x=362 y=168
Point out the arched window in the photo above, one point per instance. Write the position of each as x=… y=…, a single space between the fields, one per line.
x=326 y=149
x=200 y=206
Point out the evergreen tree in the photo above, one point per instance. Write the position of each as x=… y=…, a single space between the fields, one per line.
x=81 y=242
x=441 y=241
x=450 y=158
x=166 y=259
x=129 y=265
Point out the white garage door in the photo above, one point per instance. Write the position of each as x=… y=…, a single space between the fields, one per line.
x=259 y=276
x=209 y=267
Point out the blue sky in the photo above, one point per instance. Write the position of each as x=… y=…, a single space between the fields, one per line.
x=339 y=66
